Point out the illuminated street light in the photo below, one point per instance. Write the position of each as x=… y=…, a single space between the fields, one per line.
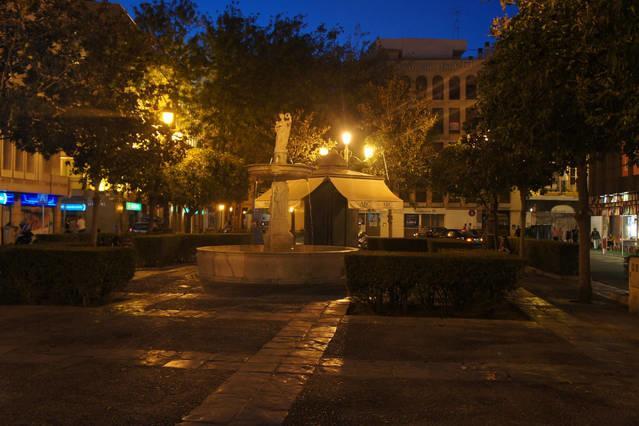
x=369 y=152
x=323 y=151
x=168 y=117
x=346 y=139
x=221 y=207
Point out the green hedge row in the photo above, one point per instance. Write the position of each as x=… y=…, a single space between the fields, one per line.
x=555 y=257
x=104 y=238
x=63 y=274
x=417 y=244
x=450 y=282
x=152 y=249
x=164 y=250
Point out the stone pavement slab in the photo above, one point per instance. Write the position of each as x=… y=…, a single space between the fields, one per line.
x=155 y=353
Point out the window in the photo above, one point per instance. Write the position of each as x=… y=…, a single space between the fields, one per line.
x=471 y=87
x=6 y=155
x=30 y=163
x=421 y=85
x=411 y=220
x=454 y=88
x=46 y=166
x=432 y=221
x=454 y=121
x=471 y=114
x=406 y=81
x=437 y=197
x=420 y=196
x=624 y=165
x=438 y=127
x=19 y=164
x=453 y=199
x=504 y=197
x=438 y=87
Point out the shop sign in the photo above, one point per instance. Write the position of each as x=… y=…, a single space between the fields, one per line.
x=133 y=207
x=74 y=207
x=6 y=198
x=40 y=200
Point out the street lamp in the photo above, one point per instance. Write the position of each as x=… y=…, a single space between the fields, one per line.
x=346 y=140
x=323 y=151
x=167 y=117
x=369 y=152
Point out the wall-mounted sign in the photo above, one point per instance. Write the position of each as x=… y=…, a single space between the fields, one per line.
x=133 y=207
x=40 y=200
x=74 y=207
x=6 y=198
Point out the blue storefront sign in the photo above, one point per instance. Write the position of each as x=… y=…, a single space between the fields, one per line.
x=7 y=198
x=73 y=207
x=39 y=200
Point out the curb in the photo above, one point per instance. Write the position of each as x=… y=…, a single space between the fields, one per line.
x=609 y=292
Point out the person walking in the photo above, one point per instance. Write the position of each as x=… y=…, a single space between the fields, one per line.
x=595 y=237
x=81 y=225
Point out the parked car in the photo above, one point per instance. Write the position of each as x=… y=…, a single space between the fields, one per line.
x=473 y=236
x=140 y=227
x=456 y=234
x=436 y=232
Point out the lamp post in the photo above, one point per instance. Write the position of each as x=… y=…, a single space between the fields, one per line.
x=369 y=152
x=346 y=140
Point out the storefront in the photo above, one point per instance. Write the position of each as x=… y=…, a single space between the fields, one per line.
x=73 y=208
x=7 y=200
x=616 y=218
x=39 y=209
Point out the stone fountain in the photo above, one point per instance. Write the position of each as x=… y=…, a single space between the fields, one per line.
x=279 y=260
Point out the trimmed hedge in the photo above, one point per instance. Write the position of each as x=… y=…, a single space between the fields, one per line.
x=440 y=244
x=104 y=238
x=63 y=274
x=164 y=250
x=418 y=244
x=556 y=257
x=452 y=282
x=397 y=244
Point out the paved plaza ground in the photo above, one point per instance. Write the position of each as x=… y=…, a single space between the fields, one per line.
x=169 y=351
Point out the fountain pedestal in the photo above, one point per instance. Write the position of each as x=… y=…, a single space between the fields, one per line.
x=279 y=260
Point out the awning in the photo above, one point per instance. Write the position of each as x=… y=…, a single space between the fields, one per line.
x=367 y=194
x=297 y=190
x=362 y=194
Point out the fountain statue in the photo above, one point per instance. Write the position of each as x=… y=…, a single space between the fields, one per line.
x=279 y=260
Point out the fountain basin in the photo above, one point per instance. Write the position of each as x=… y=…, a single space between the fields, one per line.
x=251 y=264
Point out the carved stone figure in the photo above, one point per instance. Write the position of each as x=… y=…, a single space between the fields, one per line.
x=283 y=131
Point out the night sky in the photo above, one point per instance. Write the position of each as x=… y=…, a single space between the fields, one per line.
x=465 y=19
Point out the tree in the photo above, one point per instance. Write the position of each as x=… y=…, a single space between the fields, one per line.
x=205 y=176
x=306 y=139
x=473 y=169
x=398 y=124
x=580 y=59
x=39 y=52
x=253 y=72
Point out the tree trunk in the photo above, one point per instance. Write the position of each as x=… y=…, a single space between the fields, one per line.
x=523 y=197
x=583 y=223
x=187 y=223
x=495 y=214
x=151 y=207
x=94 y=218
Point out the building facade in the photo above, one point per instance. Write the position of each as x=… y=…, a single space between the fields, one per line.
x=614 y=190
x=441 y=71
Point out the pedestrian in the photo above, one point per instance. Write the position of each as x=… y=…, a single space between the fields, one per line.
x=25 y=236
x=80 y=224
x=518 y=232
x=595 y=237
